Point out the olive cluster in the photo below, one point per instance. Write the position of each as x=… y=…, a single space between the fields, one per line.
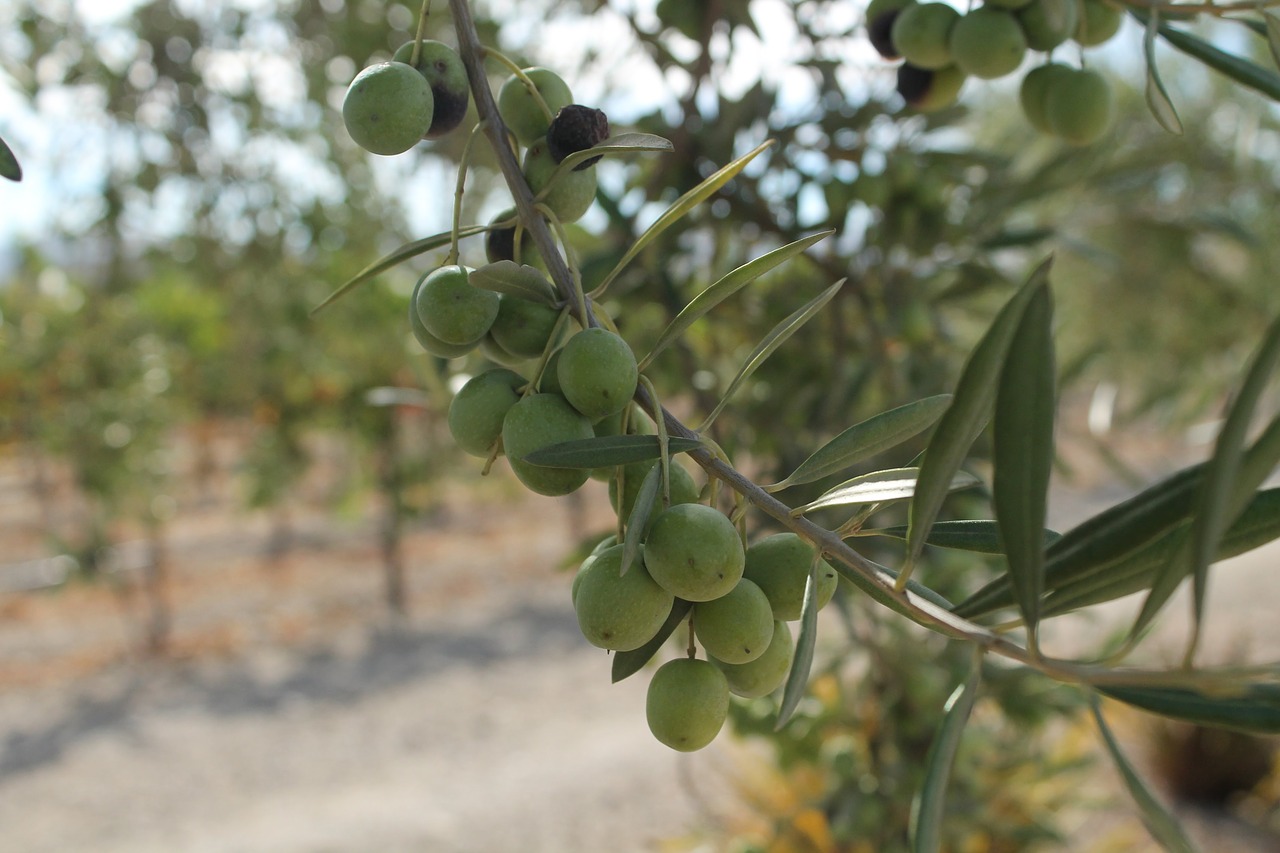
x=741 y=601
x=391 y=106
x=941 y=48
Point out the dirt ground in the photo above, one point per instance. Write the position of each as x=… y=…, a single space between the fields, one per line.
x=293 y=714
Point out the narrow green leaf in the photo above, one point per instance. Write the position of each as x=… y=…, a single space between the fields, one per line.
x=966 y=416
x=802 y=659
x=1103 y=539
x=640 y=512
x=9 y=166
x=400 y=255
x=1255 y=527
x=866 y=439
x=1241 y=70
x=1162 y=825
x=682 y=206
x=1222 y=495
x=1158 y=100
x=929 y=806
x=1247 y=708
x=726 y=287
x=1273 y=35
x=623 y=143
x=892 y=484
x=981 y=536
x=518 y=280
x=627 y=664
x=607 y=451
x=776 y=338
x=1023 y=451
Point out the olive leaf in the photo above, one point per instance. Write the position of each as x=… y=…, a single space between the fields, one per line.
x=1023 y=452
x=400 y=255
x=519 y=280
x=1241 y=70
x=1256 y=526
x=681 y=207
x=1272 y=23
x=776 y=338
x=627 y=664
x=1158 y=100
x=607 y=451
x=891 y=484
x=1242 y=707
x=9 y=166
x=1222 y=493
x=1162 y=825
x=928 y=806
x=981 y=536
x=1101 y=540
x=872 y=436
x=965 y=417
x=623 y=143
x=802 y=659
x=725 y=287
x=641 y=510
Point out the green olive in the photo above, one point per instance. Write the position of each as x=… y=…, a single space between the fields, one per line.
x=387 y=108
x=687 y=703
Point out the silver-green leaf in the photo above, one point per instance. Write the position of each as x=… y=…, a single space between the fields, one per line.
x=929 y=806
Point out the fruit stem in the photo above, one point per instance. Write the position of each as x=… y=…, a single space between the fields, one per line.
x=464 y=164
x=692 y=650
x=422 y=31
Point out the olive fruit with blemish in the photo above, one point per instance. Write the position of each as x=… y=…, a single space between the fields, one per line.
x=687 y=702
x=619 y=611
x=521 y=112
x=538 y=421
x=779 y=565
x=928 y=91
x=444 y=72
x=478 y=409
x=693 y=550
x=454 y=310
x=387 y=108
x=737 y=626
x=577 y=128
x=500 y=242
x=880 y=17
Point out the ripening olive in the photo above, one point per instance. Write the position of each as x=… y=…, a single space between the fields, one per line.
x=597 y=372
x=572 y=193
x=694 y=551
x=687 y=703
x=737 y=626
x=766 y=673
x=988 y=42
x=387 y=108
x=779 y=565
x=619 y=611
x=521 y=112
x=453 y=309
x=880 y=17
x=1078 y=106
x=478 y=409
x=921 y=34
x=538 y=421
